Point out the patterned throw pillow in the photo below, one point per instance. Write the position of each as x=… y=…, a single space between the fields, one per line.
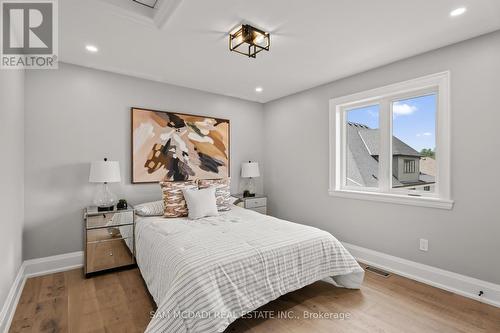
x=154 y=208
x=175 y=204
x=222 y=193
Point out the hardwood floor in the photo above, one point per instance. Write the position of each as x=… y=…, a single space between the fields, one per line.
x=119 y=302
x=67 y=302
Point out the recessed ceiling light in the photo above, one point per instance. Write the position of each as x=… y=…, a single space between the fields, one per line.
x=457 y=12
x=91 y=48
x=258 y=89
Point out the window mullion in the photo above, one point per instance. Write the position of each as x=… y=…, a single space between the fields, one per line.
x=385 y=161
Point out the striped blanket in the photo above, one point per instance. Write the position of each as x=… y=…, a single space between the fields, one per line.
x=204 y=274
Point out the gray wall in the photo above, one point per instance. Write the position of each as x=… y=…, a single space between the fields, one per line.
x=11 y=171
x=75 y=115
x=464 y=240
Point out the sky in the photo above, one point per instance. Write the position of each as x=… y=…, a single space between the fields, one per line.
x=413 y=120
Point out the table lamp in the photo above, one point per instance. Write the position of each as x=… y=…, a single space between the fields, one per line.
x=104 y=172
x=250 y=170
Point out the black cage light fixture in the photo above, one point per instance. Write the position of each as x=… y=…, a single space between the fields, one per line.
x=249 y=41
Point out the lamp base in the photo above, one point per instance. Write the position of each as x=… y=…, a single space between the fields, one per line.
x=105 y=209
x=249 y=187
x=104 y=199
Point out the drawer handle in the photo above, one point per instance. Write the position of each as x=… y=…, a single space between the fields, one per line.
x=110 y=254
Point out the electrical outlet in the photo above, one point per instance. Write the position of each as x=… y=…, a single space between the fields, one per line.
x=424 y=244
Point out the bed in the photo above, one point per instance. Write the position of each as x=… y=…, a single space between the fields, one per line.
x=204 y=274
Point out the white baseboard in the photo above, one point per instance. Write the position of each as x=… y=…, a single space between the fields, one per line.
x=10 y=304
x=31 y=268
x=456 y=283
x=53 y=264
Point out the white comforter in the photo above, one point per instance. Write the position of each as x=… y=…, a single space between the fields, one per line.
x=204 y=274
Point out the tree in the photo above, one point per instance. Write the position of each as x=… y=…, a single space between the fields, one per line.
x=428 y=152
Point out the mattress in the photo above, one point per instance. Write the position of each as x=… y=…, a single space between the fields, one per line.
x=204 y=274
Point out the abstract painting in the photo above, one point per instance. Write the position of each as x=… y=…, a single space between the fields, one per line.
x=178 y=147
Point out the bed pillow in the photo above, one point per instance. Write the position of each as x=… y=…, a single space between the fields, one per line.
x=234 y=200
x=173 y=199
x=200 y=203
x=222 y=193
x=153 y=208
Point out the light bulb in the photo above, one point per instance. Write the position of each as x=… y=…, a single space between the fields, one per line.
x=258 y=39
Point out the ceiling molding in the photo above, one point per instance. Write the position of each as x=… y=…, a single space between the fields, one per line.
x=165 y=11
x=129 y=10
x=157 y=17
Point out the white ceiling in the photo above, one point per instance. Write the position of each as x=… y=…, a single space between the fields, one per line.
x=312 y=42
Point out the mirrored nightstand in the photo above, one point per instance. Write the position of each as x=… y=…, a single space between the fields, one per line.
x=257 y=203
x=108 y=240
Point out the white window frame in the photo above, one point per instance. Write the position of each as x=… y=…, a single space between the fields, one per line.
x=438 y=83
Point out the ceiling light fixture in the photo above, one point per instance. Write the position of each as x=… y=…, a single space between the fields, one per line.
x=259 y=89
x=91 y=48
x=249 y=41
x=457 y=12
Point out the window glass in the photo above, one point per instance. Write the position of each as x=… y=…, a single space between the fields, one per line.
x=414 y=143
x=362 y=146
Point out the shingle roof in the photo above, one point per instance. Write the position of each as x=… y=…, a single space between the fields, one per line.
x=362 y=168
x=428 y=166
x=362 y=154
x=371 y=138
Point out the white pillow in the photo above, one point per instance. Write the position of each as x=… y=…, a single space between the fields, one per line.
x=234 y=200
x=154 y=208
x=200 y=203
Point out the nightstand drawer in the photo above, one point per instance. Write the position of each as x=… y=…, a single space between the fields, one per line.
x=108 y=254
x=108 y=234
x=262 y=210
x=106 y=219
x=255 y=202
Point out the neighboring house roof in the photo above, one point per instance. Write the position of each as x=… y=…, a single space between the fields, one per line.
x=371 y=138
x=428 y=166
x=427 y=178
x=362 y=168
x=362 y=156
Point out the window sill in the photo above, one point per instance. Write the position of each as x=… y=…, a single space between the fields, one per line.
x=394 y=198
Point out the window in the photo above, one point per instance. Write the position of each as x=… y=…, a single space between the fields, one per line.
x=392 y=143
x=409 y=166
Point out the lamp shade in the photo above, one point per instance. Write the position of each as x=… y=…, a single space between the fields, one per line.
x=250 y=170
x=104 y=172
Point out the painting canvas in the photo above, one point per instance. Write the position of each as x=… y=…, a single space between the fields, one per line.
x=177 y=147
